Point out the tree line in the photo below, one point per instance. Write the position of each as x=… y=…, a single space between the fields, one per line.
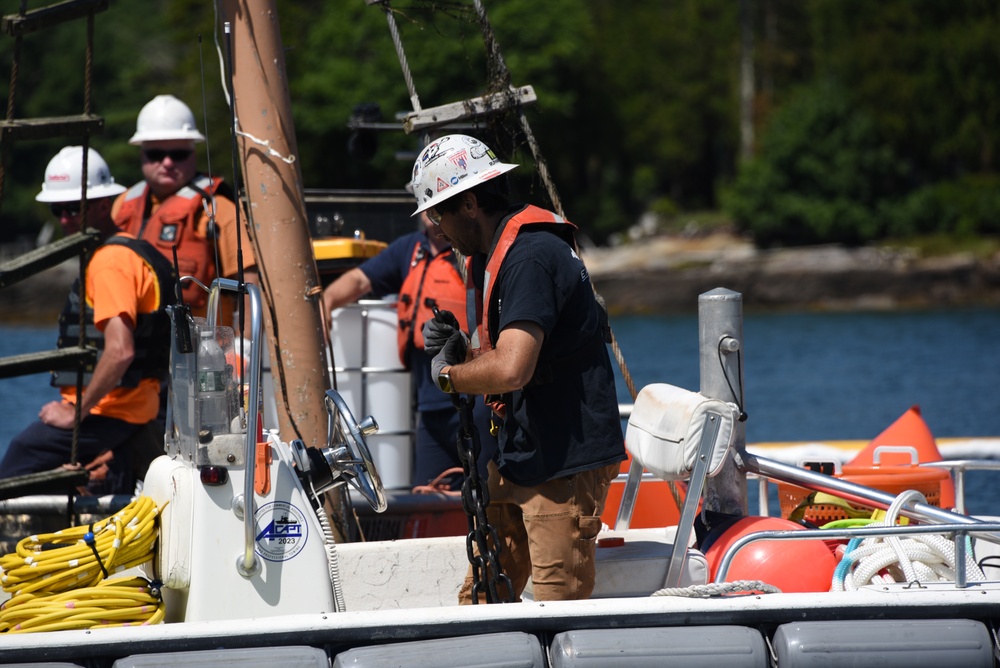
x=803 y=121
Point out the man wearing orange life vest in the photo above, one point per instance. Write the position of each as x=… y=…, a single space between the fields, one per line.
x=128 y=284
x=175 y=205
x=541 y=350
x=422 y=269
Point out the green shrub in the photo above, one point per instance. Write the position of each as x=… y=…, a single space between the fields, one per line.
x=967 y=207
x=822 y=175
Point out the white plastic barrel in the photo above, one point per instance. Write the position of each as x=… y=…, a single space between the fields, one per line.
x=372 y=381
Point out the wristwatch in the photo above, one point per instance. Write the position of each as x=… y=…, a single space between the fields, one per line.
x=444 y=382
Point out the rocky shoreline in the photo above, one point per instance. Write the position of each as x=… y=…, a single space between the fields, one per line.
x=665 y=274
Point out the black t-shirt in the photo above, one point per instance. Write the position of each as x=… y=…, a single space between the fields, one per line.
x=566 y=420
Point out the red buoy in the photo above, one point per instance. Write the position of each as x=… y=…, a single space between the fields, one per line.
x=789 y=565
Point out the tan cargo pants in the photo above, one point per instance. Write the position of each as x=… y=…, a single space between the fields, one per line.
x=548 y=532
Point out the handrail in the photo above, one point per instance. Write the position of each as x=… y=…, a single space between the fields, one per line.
x=958 y=530
x=852 y=492
x=958 y=467
x=249 y=559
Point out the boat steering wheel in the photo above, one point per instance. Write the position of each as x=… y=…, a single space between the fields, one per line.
x=347 y=454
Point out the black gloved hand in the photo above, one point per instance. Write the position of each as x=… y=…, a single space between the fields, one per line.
x=453 y=352
x=438 y=330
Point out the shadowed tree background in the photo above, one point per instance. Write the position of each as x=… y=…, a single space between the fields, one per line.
x=870 y=120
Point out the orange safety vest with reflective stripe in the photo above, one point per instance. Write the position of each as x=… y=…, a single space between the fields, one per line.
x=174 y=223
x=433 y=280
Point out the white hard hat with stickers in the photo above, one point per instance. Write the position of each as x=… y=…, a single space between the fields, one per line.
x=450 y=165
x=62 y=177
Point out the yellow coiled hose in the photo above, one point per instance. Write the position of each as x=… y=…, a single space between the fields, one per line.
x=119 y=602
x=60 y=580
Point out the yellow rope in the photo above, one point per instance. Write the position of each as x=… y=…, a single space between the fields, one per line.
x=119 y=602
x=68 y=559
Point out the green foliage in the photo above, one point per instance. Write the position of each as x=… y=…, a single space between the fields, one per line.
x=822 y=175
x=926 y=73
x=638 y=103
x=130 y=66
x=668 y=71
x=965 y=208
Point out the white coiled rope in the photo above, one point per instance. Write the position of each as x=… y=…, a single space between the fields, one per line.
x=915 y=558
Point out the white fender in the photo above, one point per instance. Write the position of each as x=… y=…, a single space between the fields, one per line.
x=168 y=483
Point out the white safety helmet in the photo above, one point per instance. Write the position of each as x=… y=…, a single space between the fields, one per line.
x=450 y=165
x=62 y=177
x=165 y=117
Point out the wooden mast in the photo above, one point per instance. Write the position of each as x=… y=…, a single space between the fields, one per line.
x=279 y=227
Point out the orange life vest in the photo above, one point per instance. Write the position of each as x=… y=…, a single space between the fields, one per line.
x=482 y=341
x=173 y=223
x=433 y=280
x=530 y=215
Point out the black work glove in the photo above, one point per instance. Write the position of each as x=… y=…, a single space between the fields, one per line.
x=453 y=352
x=438 y=330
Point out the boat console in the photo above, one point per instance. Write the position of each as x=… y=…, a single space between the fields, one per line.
x=243 y=532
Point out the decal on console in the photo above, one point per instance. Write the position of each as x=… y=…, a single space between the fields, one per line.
x=282 y=531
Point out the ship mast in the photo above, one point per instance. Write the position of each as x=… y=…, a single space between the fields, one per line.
x=279 y=226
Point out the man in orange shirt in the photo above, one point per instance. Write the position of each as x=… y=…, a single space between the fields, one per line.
x=174 y=205
x=128 y=284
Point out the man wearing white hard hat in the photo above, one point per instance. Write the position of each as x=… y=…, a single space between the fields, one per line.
x=128 y=285
x=540 y=355
x=174 y=205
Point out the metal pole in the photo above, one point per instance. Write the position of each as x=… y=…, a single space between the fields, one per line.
x=278 y=221
x=279 y=227
x=720 y=340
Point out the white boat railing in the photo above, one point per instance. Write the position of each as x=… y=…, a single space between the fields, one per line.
x=853 y=492
x=957 y=468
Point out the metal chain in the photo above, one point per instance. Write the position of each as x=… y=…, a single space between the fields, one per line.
x=487 y=575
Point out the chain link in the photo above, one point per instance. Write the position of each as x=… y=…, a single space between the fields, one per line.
x=482 y=545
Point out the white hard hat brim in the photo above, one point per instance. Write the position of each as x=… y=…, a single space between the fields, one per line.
x=165 y=135
x=493 y=172
x=97 y=192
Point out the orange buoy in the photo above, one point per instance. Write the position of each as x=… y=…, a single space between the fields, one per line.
x=789 y=565
x=909 y=430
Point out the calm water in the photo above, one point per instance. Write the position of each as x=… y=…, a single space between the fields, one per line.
x=808 y=376
x=812 y=376
x=831 y=376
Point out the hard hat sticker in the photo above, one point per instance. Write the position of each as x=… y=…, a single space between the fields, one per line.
x=460 y=159
x=282 y=531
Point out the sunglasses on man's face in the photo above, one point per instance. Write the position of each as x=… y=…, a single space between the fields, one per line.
x=60 y=209
x=433 y=214
x=159 y=154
